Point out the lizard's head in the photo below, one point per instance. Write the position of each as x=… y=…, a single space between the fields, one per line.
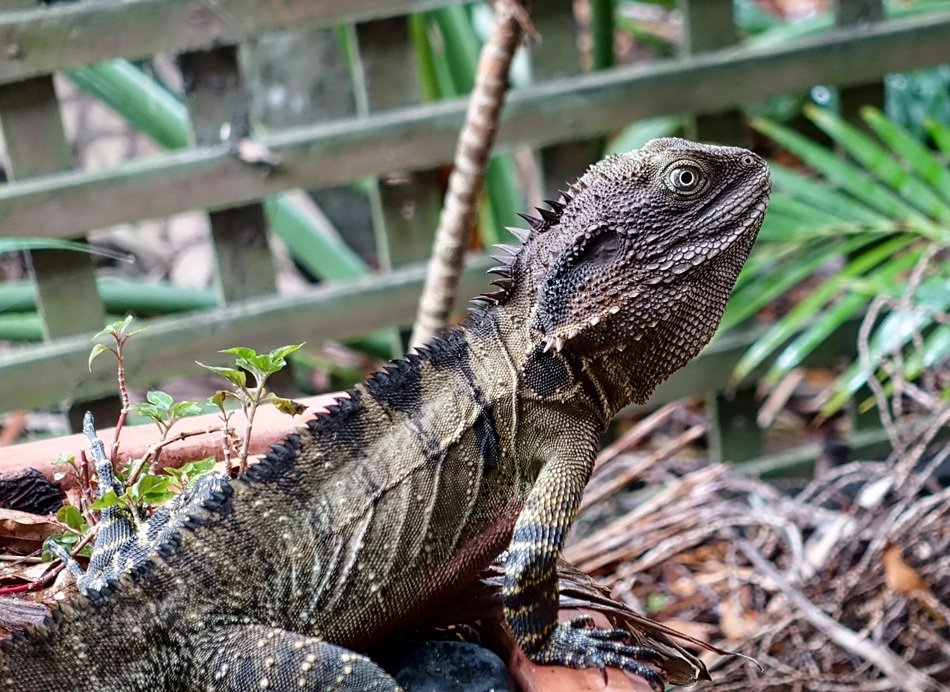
x=644 y=249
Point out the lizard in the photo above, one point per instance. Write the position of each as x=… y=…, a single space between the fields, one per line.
x=408 y=486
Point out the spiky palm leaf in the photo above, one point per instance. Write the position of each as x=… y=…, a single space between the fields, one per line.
x=862 y=225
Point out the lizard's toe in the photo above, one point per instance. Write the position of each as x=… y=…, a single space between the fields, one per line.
x=576 y=645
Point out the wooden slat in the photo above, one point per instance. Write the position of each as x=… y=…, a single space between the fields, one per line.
x=852 y=13
x=424 y=136
x=710 y=25
x=67 y=298
x=35 y=376
x=66 y=35
x=217 y=99
x=555 y=56
x=408 y=202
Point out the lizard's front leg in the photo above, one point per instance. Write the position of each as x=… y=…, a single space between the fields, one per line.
x=530 y=594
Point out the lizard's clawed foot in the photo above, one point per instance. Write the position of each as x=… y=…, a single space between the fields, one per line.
x=578 y=644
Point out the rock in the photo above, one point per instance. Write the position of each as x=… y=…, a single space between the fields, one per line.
x=443 y=666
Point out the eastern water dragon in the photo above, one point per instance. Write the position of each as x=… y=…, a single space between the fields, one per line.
x=415 y=480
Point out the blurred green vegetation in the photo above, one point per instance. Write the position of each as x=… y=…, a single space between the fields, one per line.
x=851 y=230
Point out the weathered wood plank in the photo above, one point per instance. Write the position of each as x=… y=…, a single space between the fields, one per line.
x=40 y=41
x=35 y=376
x=556 y=56
x=218 y=105
x=409 y=201
x=710 y=25
x=424 y=136
x=36 y=145
x=851 y=13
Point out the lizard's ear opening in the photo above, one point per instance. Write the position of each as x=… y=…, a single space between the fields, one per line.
x=585 y=288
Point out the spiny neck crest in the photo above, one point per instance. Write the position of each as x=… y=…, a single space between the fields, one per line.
x=506 y=253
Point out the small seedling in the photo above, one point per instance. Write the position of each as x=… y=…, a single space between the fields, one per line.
x=260 y=366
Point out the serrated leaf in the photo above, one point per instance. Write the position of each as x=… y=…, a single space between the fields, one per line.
x=94 y=353
x=237 y=377
x=148 y=410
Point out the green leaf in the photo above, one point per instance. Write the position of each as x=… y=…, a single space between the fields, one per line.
x=149 y=411
x=819 y=194
x=110 y=499
x=237 y=377
x=881 y=162
x=70 y=516
x=196 y=468
x=94 y=353
x=279 y=354
x=921 y=159
x=841 y=172
x=940 y=134
x=796 y=319
x=830 y=320
x=144 y=103
x=160 y=399
x=151 y=489
x=768 y=285
x=185 y=408
x=240 y=352
x=936 y=350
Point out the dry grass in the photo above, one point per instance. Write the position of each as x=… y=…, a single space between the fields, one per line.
x=842 y=585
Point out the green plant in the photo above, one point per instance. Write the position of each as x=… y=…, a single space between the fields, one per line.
x=261 y=366
x=140 y=486
x=860 y=229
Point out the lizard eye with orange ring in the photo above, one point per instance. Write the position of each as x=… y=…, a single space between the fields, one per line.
x=685 y=178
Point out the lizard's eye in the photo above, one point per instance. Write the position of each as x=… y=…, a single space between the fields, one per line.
x=685 y=178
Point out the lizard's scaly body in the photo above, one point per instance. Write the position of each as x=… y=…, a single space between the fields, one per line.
x=421 y=476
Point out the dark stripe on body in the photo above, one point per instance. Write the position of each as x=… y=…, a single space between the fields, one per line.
x=486 y=437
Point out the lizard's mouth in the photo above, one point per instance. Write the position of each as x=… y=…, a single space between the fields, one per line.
x=694 y=252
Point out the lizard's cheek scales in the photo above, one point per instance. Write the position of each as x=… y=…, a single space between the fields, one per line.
x=387 y=505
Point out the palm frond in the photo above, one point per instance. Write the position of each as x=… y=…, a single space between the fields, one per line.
x=876 y=204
